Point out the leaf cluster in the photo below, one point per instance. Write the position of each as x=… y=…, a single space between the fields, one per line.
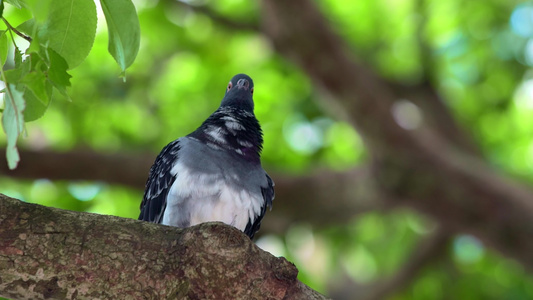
x=57 y=38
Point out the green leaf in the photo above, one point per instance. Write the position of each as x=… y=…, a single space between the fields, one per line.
x=35 y=107
x=39 y=8
x=1 y=8
x=124 y=30
x=36 y=82
x=15 y=75
x=3 y=47
x=30 y=28
x=13 y=122
x=57 y=72
x=17 y=3
x=70 y=29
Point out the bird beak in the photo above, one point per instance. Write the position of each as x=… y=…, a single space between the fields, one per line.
x=243 y=84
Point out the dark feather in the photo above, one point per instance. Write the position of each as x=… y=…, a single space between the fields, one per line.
x=252 y=134
x=268 y=195
x=158 y=184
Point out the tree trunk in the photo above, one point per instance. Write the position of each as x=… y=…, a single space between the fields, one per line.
x=48 y=253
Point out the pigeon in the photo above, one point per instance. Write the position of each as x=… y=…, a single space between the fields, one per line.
x=215 y=172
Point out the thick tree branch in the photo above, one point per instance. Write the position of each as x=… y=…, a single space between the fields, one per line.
x=48 y=253
x=434 y=169
x=116 y=168
x=300 y=32
x=422 y=167
x=348 y=194
x=436 y=115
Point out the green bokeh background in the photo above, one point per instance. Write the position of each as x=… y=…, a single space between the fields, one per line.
x=478 y=54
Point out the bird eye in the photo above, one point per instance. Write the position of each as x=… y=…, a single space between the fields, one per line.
x=252 y=91
x=230 y=85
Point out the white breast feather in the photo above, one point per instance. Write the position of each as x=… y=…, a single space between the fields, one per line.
x=209 y=199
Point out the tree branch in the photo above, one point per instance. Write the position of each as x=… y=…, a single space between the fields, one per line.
x=300 y=32
x=126 y=169
x=423 y=168
x=348 y=193
x=13 y=29
x=48 y=253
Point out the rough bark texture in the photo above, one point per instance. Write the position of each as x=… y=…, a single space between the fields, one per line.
x=48 y=253
x=436 y=169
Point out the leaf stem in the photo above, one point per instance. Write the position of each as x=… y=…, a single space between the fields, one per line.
x=22 y=35
x=7 y=89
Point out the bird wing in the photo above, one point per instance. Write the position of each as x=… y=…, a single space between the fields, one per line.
x=158 y=184
x=268 y=196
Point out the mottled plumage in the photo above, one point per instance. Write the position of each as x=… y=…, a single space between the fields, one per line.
x=214 y=173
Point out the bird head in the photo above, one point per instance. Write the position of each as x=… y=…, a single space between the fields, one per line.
x=239 y=93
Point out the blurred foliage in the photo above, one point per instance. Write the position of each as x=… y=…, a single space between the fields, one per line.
x=478 y=54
